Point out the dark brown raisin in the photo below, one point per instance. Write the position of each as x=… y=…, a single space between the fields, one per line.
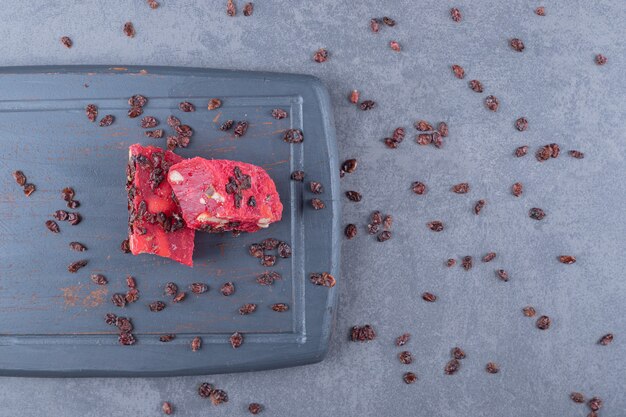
x=75 y=266
x=186 y=107
x=132 y=295
x=124 y=324
x=529 y=311
x=129 y=29
x=236 y=340
x=118 y=300
x=218 y=397
x=403 y=339
x=92 y=112
x=248 y=9
x=543 y=322
x=126 y=339
x=375 y=25
x=350 y=231
x=554 y=150
x=372 y=229
x=270 y=243
x=316 y=187
x=167 y=338
x=297 y=176
x=148 y=122
x=78 y=247
x=476 y=86
x=502 y=274
x=388 y=222
x=409 y=377
x=536 y=213
x=172 y=121
x=435 y=226
x=156 y=306
x=20 y=178
x=280 y=307
x=29 y=189
x=405 y=357
x=198 y=288
x=107 y=120
x=321 y=55
x=362 y=333
x=389 y=21
x=452 y=367
x=458 y=71
x=214 y=103
x=167 y=408
x=492 y=368
x=461 y=188
x=576 y=154
x=135 y=112
x=567 y=259
x=255 y=408
x=601 y=59
x=227 y=125
x=595 y=403
x=227 y=289
x=171 y=289
x=424 y=139
x=455 y=14
x=367 y=105
x=317 y=204
x=284 y=250
x=384 y=236
x=517 y=44
x=53 y=226
x=521 y=151
x=458 y=353
x=480 y=204
x=517 y=189
x=130 y=282
x=268 y=260
x=540 y=11
x=577 y=397
x=196 y=345
x=247 y=309
x=430 y=297
x=293 y=136
x=67 y=194
x=423 y=126
x=99 y=279
x=418 y=188
x=73 y=204
x=256 y=250
x=125 y=246
x=110 y=319
x=205 y=389
x=153 y=4
x=450 y=262
x=437 y=139
x=521 y=124
x=231 y=9
x=544 y=153
x=489 y=257
x=492 y=103
x=606 y=339
x=353 y=196
x=67 y=42
x=377 y=218
x=137 y=101
x=467 y=263
x=349 y=166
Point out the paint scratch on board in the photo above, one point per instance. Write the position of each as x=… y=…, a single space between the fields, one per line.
x=217 y=117
x=70 y=295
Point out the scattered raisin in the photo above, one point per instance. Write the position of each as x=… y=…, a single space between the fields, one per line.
x=577 y=397
x=171 y=289
x=205 y=389
x=480 y=204
x=148 y=122
x=297 y=176
x=247 y=309
x=458 y=71
x=362 y=333
x=405 y=357
x=502 y=274
x=280 y=307
x=461 y=188
x=167 y=408
x=384 y=236
x=367 y=105
x=517 y=189
x=293 y=136
x=521 y=124
x=99 y=279
x=452 y=367
x=458 y=353
x=118 y=300
x=492 y=103
x=476 y=86
x=492 y=368
x=430 y=297
x=132 y=295
x=196 y=345
x=172 y=121
x=317 y=204
x=601 y=59
x=375 y=25
x=316 y=187
x=231 y=9
x=110 y=319
x=92 y=112
x=179 y=297
x=279 y=114
x=517 y=44
x=450 y=262
x=418 y=188
x=167 y=338
x=107 y=120
x=153 y=4
x=389 y=21
x=255 y=408
x=403 y=339
x=350 y=231
x=53 y=226
x=536 y=213
x=595 y=404
x=354 y=96
x=423 y=126
x=218 y=397
x=256 y=250
x=270 y=243
x=227 y=125
x=435 y=226
x=543 y=322
x=227 y=289
x=353 y=196
x=125 y=246
x=284 y=250
x=78 y=247
x=156 y=306
x=529 y=311
x=567 y=259
x=248 y=8
x=129 y=29
x=137 y=101
x=540 y=11
x=467 y=263
x=394 y=45
x=236 y=340
x=489 y=257
x=424 y=139
x=186 y=107
x=521 y=151
x=323 y=279
x=321 y=55
x=198 y=288
x=349 y=166
x=75 y=266
x=67 y=42
x=126 y=339
x=455 y=14
x=409 y=377
x=576 y=154
x=606 y=339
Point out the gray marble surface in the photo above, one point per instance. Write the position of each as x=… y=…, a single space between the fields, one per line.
x=554 y=83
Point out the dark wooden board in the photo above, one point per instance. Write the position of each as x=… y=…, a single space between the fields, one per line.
x=52 y=321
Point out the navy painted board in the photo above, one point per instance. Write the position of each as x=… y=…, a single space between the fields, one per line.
x=53 y=321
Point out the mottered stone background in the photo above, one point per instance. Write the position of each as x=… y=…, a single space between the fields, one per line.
x=554 y=83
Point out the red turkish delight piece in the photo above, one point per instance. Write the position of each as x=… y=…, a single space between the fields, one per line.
x=220 y=195
x=155 y=222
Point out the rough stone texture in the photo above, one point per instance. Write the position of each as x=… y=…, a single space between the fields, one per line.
x=554 y=83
